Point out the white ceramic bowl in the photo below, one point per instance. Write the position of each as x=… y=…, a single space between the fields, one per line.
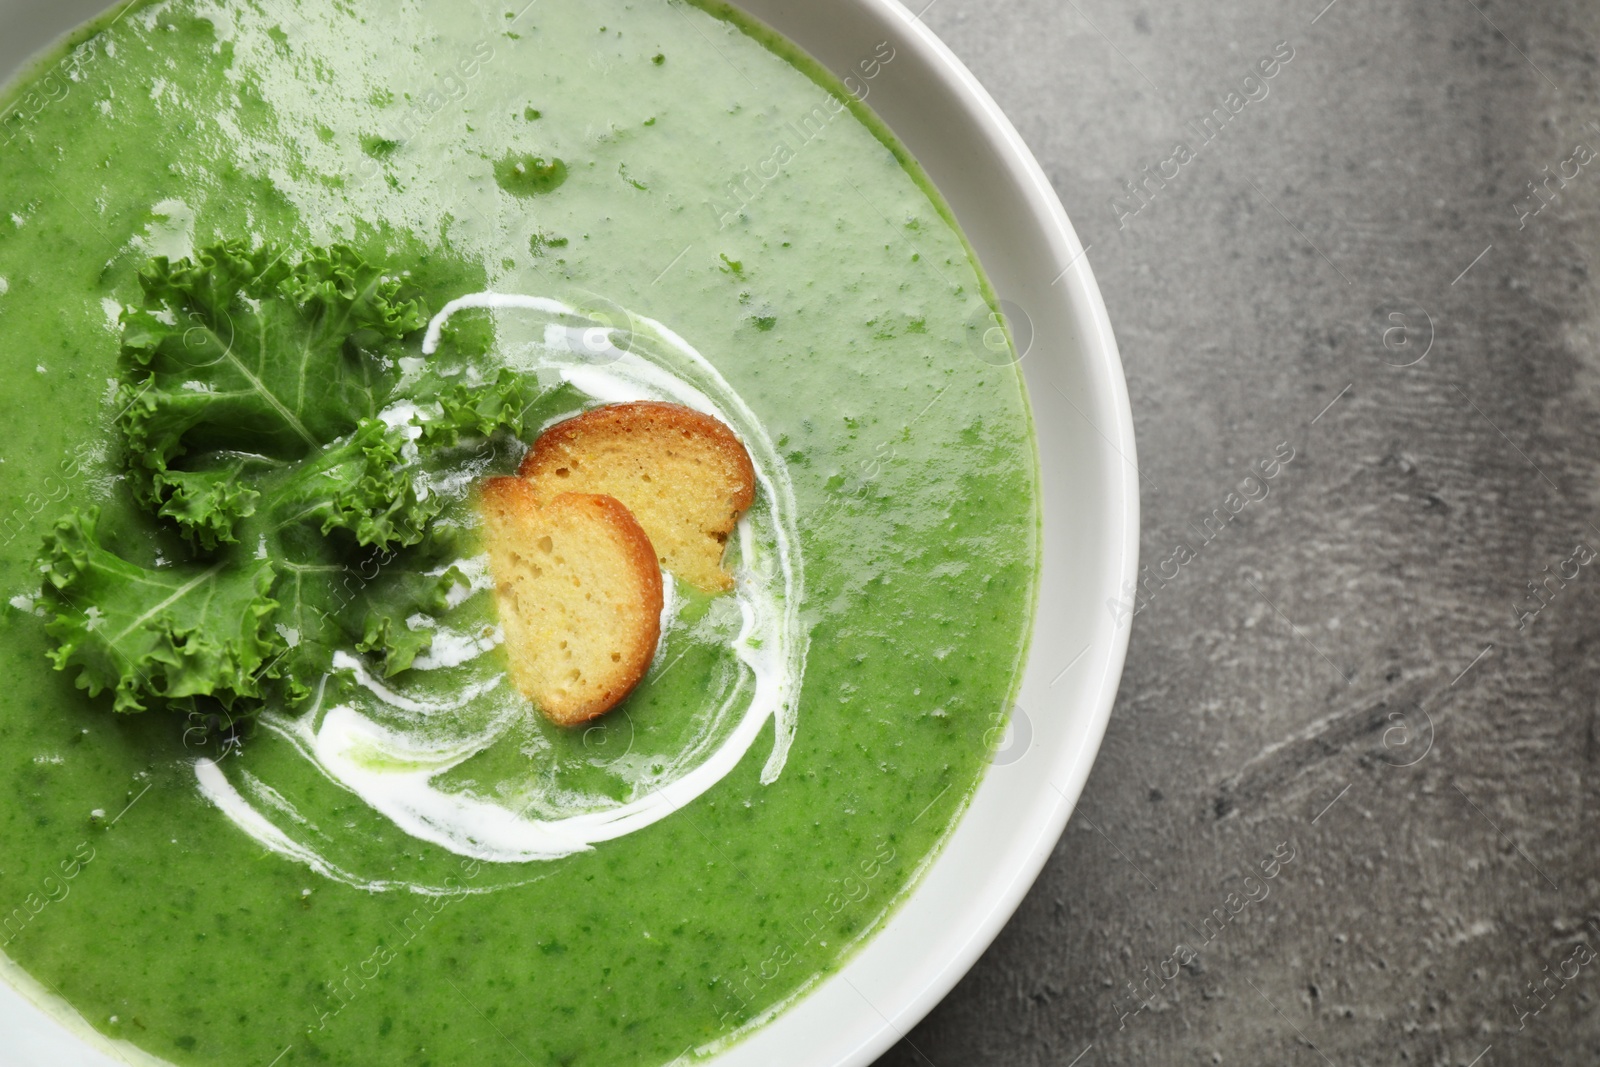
x=1008 y=211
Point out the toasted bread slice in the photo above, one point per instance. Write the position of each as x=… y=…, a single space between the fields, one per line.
x=684 y=475
x=579 y=593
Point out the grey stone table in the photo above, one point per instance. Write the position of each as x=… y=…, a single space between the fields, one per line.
x=1385 y=664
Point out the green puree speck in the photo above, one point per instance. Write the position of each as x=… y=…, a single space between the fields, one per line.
x=577 y=148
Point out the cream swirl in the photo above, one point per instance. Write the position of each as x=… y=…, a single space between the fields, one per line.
x=444 y=752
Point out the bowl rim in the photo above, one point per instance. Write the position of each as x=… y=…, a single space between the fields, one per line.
x=888 y=1010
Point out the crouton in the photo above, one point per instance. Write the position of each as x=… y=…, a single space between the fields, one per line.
x=684 y=475
x=579 y=594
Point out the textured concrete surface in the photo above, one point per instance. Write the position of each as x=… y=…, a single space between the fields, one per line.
x=1354 y=669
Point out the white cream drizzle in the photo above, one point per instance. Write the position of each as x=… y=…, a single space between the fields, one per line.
x=389 y=748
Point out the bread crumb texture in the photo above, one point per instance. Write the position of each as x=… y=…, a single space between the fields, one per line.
x=683 y=474
x=579 y=594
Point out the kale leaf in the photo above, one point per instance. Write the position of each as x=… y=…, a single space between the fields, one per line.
x=168 y=633
x=278 y=418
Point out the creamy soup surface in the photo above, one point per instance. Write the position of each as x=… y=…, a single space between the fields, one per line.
x=589 y=202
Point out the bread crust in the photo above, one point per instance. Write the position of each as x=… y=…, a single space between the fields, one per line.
x=653 y=428
x=515 y=520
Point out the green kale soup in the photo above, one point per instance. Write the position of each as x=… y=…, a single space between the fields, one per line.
x=280 y=284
